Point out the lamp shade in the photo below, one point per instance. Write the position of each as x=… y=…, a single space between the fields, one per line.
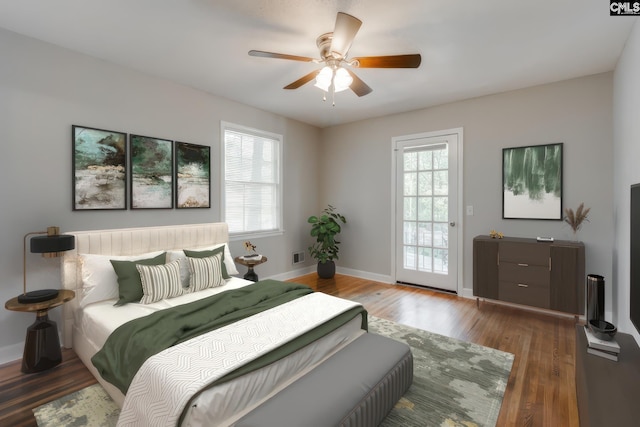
x=57 y=243
x=50 y=244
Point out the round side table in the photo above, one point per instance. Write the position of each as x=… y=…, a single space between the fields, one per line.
x=42 y=345
x=250 y=263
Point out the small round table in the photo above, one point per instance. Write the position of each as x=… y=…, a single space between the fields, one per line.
x=250 y=263
x=42 y=345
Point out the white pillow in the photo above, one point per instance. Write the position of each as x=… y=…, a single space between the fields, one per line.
x=160 y=281
x=99 y=279
x=205 y=273
x=228 y=258
x=184 y=265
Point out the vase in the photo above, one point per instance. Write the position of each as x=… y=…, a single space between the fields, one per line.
x=326 y=270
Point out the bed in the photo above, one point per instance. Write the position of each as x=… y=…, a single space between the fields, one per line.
x=91 y=318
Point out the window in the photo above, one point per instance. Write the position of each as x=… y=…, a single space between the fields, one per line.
x=252 y=193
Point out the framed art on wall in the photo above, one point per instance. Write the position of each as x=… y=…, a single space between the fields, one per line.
x=151 y=172
x=532 y=182
x=99 y=169
x=193 y=176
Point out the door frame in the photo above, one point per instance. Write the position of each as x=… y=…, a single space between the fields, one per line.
x=460 y=216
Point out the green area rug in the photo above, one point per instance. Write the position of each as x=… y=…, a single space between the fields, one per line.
x=455 y=384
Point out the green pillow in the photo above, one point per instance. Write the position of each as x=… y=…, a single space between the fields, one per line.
x=129 y=283
x=207 y=254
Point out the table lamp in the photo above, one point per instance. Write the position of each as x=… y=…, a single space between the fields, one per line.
x=51 y=245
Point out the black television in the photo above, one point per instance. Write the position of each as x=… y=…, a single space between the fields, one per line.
x=634 y=286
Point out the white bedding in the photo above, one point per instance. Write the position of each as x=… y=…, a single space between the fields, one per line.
x=222 y=404
x=98 y=320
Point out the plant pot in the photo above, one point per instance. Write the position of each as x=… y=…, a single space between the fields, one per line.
x=326 y=270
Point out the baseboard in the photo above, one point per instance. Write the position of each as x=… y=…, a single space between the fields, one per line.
x=531 y=308
x=364 y=275
x=11 y=353
x=467 y=293
x=293 y=273
x=340 y=270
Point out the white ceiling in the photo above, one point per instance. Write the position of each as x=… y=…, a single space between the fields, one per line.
x=469 y=48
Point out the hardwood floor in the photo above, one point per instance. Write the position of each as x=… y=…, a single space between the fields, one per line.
x=20 y=393
x=541 y=388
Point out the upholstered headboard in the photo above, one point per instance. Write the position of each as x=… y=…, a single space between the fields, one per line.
x=129 y=241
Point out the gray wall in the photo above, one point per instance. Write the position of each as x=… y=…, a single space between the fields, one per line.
x=356 y=166
x=45 y=89
x=626 y=134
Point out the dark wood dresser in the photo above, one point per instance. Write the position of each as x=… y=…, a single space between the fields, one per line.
x=523 y=271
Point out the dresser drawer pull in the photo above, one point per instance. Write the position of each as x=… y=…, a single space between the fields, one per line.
x=522 y=285
x=521 y=264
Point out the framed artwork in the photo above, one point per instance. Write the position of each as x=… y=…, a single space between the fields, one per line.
x=532 y=182
x=193 y=176
x=99 y=169
x=151 y=172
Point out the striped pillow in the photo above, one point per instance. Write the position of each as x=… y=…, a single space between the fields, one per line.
x=160 y=281
x=205 y=272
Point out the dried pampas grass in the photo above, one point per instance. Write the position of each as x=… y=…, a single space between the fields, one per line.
x=575 y=219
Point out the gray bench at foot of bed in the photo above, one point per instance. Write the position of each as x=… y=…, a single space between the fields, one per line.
x=357 y=386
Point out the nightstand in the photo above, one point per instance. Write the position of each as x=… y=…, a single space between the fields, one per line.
x=42 y=345
x=250 y=263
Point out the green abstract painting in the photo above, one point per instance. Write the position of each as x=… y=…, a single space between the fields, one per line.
x=151 y=173
x=99 y=169
x=532 y=182
x=193 y=176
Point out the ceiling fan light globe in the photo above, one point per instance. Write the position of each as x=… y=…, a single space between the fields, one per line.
x=342 y=80
x=323 y=79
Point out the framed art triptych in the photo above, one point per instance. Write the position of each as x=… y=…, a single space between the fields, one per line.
x=154 y=173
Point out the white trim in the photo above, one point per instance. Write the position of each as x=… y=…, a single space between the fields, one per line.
x=531 y=308
x=382 y=278
x=11 y=353
x=365 y=275
x=254 y=235
x=292 y=274
x=459 y=221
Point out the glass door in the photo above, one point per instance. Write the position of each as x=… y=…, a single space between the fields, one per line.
x=426 y=207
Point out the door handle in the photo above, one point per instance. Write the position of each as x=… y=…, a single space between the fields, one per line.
x=452 y=223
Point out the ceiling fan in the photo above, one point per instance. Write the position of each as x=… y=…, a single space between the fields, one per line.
x=334 y=47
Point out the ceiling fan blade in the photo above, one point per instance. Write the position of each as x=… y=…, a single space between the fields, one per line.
x=393 y=61
x=263 y=54
x=359 y=87
x=345 y=31
x=302 y=80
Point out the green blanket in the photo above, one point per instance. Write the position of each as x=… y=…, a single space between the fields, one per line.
x=131 y=344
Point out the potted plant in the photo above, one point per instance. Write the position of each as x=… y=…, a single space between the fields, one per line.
x=324 y=228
